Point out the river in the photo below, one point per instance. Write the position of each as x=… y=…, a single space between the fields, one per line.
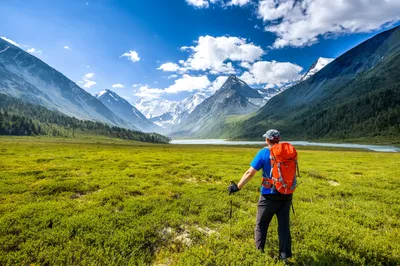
x=379 y=148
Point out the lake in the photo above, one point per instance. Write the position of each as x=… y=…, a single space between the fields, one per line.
x=379 y=148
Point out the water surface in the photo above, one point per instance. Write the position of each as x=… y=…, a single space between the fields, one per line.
x=380 y=148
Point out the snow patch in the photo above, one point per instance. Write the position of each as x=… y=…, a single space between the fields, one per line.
x=101 y=93
x=317 y=66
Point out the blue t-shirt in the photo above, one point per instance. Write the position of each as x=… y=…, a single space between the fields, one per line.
x=262 y=160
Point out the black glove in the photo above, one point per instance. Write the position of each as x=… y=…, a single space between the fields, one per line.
x=233 y=188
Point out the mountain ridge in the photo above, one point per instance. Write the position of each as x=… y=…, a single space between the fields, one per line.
x=314 y=108
x=125 y=110
x=24 y=76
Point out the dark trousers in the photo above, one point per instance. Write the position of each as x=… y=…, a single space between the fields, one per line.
x=268 y=206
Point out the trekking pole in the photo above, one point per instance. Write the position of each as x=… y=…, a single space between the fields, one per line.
x=230 y=227
x=230 y=221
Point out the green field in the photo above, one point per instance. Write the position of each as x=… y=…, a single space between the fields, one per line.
x=106 y=202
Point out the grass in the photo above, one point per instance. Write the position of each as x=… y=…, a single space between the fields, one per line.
x=86 y=202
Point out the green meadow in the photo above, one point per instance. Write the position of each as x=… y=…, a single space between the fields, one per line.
x=115 y=202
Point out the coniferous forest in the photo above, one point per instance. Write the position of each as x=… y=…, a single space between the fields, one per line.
x=20 y=118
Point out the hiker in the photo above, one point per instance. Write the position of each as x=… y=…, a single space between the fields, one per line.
x=271 y=200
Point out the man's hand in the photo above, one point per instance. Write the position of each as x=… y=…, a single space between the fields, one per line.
x=233 y=188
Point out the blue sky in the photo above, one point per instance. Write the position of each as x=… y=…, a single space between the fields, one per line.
x=267 y=43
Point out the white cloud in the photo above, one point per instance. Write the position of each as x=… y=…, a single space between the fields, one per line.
x=212 y=53
x=87 y=81
x=217 y=84
x=88 y=76
x=172 y=76
x=223 y=3
x=132 y=55
x=67 y=47
x=117 y=86
x=224 y=68
x=245 y=65
x=198 y=3
x=136 y=85
x=10 y=41
x=238 y=2
x=302 y=23
x=271 y=73
x=170 y=67
x=34 y=51
x=186 y=83
x=147 y=92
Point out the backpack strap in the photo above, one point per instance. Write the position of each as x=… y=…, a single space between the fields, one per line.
x=265 y=178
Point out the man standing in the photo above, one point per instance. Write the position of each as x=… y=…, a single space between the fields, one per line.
x=271 y=202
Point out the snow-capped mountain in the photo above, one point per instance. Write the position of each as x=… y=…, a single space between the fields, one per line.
x=154 y=107
x=125 y=110
x=317 y=66
x=26 y=77
x=180 y=112
x=188 y=104
x=235 y=97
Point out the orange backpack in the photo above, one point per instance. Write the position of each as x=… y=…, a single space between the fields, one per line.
x=283 y=168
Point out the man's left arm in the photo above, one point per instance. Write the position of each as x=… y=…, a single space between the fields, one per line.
x=247 y=176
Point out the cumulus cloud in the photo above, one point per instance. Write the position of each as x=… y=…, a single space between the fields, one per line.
x=87 y=81
x=10 y=41
x=186 y=83
x=117 y=86
x=198 y=3
x=67 y=47
x=302 y=23
x=238 y=2
x=131 y=55
x=213 y=53
x=169 y=67
x=271 y=73
x=172 y=76
x=136 y=85
x=245 y=65
x=147 y=92
x=223 y=3
x=217 y=83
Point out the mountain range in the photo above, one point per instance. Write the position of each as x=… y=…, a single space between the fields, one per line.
x=355 y=95
x=26 y=77
x=166 y=113
x=235 y=97
x=126 y=111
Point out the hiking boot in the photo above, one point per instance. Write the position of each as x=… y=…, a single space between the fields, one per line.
x=284 y=258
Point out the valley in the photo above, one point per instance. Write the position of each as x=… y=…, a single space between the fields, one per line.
x=125 y=203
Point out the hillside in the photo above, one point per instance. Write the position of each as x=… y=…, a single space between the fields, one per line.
x=26 y=77
x=235 y=97
x=18 y=118
x=357 y=95
x=125 y=110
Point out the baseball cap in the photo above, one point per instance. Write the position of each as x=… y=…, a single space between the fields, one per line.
x=272 y=134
